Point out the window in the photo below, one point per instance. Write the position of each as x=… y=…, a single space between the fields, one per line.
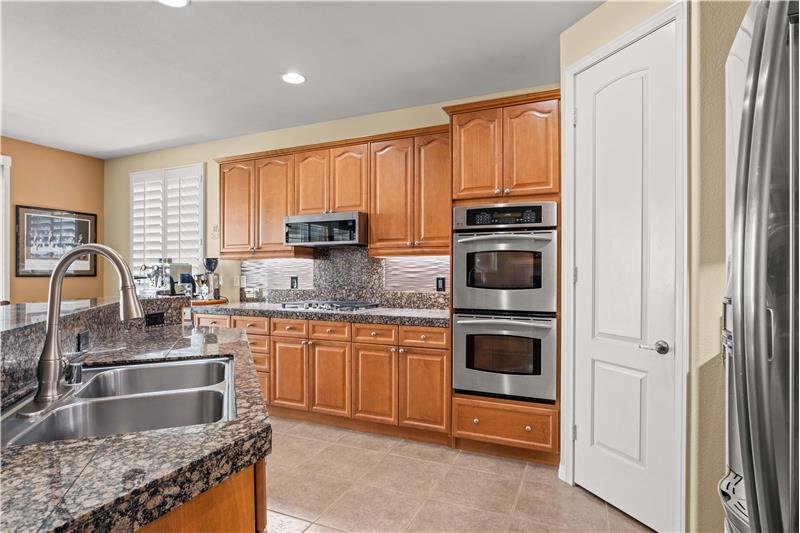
x=167 y=207
x=5 y=225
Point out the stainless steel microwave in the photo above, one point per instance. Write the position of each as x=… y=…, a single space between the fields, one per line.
x=326 y=229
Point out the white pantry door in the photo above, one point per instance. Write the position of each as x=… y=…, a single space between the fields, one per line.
x=626 y=174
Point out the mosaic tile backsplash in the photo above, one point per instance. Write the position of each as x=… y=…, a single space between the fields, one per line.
x=349 y=273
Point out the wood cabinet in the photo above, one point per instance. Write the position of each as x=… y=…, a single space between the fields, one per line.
x=263 y=382
x=333 y=331
x=329 y=363
x=425 y=337
x=391 y=223
x=375 y=333
x=251 y=324
x=237 y=206
x=289 y=373
x=311 y=182
x=424 y=397
x=432 y=205
x=219 y=321
x=274 y=189
x=375 y=383
x=349 y=179
x=289 y=327
x=506 y=147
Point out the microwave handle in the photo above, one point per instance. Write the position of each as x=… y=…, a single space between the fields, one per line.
x=493 y=322
x=495 y=237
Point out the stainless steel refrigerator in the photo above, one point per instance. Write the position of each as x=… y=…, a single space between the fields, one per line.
x=760 y=491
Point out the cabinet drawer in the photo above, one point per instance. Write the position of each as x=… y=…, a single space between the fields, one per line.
x=252 y=324
x=220 y=321
x=375 y=333
x=258 y=343
x=263 y=381
x=424 y=337
x=261 y=361
x=287 y=327
x=506 y=423
x=338 y=331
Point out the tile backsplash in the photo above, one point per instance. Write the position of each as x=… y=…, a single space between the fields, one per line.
x=349 y=273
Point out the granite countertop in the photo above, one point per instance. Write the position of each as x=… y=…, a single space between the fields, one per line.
x=378 y=315
x=123 y=482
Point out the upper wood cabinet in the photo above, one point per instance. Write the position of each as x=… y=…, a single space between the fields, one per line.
x=477 y=154
x=274 y=181
x=349 y=179
x=506 y=150
x=237 y=206
x=410 y=196
x=531 y=159
x=311 y=172
x=391 y=212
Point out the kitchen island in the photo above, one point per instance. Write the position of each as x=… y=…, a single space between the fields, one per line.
x=124 y=482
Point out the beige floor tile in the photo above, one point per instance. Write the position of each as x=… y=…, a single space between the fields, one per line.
x=425 y=451
x=562 y=507
x=282 y=425
x=319 y=528
x=310 y=430
x=490 y=463
x=303 y=495
x=368 y=441
x=281 y=523
x=480 y=490
x=341 y=462
x=619 y=522
x=365 y=508
x=537 y=473
x=405 y=474
x=436 y=516
x=526 y=525
x=289 y=450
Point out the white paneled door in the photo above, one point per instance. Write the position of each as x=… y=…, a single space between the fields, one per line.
x=626 y=235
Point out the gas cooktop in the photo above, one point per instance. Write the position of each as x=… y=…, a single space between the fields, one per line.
x=329 y=304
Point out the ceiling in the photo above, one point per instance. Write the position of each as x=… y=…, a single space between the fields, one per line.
x=115 y=78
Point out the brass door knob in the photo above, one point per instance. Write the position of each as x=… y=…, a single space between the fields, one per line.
x=373 y=333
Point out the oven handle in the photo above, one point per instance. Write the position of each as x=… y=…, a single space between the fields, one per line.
x=495 y=237
x=536 y=325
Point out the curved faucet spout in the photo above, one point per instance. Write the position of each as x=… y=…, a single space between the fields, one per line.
x=50 y=369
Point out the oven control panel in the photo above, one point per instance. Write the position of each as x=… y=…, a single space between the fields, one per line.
x=528 y=215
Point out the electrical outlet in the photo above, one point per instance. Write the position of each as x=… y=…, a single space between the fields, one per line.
x=154 y=319
x=293 y=283
x=440 y=284
x=83 y=341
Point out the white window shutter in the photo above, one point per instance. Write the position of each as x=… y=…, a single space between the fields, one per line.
x=147 y=217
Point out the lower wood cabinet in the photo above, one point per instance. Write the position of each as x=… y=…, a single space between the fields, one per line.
x=263 y=381
x=375 y=383
x=289 y=373
x=424 y=389
x=219 y=321
x=329 y=363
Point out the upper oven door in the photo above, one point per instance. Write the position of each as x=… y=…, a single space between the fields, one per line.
x=505 y=271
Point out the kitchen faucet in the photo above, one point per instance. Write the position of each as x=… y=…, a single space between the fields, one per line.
x=52 y=362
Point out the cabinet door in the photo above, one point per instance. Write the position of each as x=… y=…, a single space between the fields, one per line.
x=349 y=186
x=311 y=170
x=477 y=154
x=432 y=205
x=274 y=180
x=329 y=363
x=391 y=194
x=289 y=373
x=424 y=389
x=531 y=160
x=236 y=191
x=375 y=383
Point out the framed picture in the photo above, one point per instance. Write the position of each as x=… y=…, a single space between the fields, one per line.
x=44 y=235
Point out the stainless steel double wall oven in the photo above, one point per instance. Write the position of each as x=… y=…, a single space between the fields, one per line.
x=505 y=271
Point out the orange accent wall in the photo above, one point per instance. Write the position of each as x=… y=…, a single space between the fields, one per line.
x=46 y=177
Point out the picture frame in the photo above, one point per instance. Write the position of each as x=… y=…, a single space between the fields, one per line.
x=44 y=235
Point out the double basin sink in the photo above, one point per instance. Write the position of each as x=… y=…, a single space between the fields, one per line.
x=126 y=399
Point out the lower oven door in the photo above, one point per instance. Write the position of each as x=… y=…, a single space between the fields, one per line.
x=505 y=356
x=512 y=271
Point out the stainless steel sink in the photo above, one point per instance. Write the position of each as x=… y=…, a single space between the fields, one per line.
x=127 y=399
x=138 y=379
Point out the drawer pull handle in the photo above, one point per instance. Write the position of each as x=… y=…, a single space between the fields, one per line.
x=423 y=337
x=329 y=330
x=212 y=323
x=528 y=428
x=373 y=333
x=287 y=328
x=476 y=421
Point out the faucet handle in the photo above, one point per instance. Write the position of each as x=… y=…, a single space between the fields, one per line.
x=72 y=373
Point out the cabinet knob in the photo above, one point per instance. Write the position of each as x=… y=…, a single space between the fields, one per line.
x=250 y=325
x=528 y=428
x=476 y=421
x=373 y=333
x=287 y=328
x=309 y=343
x=303 y=343
x=416 y=243
x=402 y=350
x=423 y=337
x=392 y=350
x=506 y=190
x=409 y=243
x=329 y=330
x=497 y=191
x=212 y=323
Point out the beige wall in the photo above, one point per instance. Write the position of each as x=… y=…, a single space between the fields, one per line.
x=712 y=28
x=117 y=226
x=46 y=177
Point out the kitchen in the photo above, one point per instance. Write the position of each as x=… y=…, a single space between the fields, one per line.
x=363 y=313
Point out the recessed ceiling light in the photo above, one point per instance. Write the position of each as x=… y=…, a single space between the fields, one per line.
x=293 y=77
x=174 y=3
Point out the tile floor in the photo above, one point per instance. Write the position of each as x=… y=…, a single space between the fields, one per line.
x=327 y=479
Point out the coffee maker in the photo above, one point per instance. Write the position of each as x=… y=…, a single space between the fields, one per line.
x=212 y=280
